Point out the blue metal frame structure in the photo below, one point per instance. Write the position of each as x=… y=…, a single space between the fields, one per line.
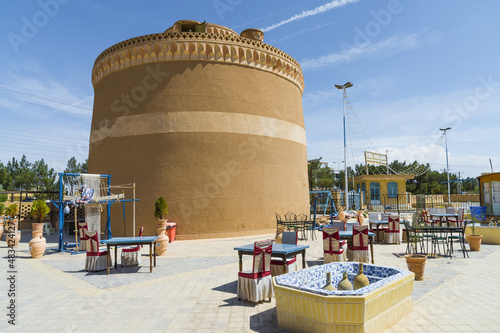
x=60 y=205
x=315 y=207
x=329 y=199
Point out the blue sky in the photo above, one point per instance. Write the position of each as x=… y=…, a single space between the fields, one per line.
x=416 y=66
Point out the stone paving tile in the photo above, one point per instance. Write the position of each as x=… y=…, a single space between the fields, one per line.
x=193 y=289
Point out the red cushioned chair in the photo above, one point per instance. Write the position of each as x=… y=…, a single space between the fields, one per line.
x=82 y=227
x=256 y=285
x=131 y=256
x=96 y=260
x=391 y=234
x=333 y=250
x=358 y=250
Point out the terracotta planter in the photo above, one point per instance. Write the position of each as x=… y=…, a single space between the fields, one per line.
x=12 y=225
x=37 y=226
x=37 y=244
x=161 y=224
x=13 y=238
x=474 y=242
x=279 y=234
x=161 y=242
x=416 y=264
x=360 y=217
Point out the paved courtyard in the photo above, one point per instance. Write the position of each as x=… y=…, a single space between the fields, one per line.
x=193 y=289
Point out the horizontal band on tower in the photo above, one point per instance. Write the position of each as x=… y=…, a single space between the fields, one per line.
x=198 y=122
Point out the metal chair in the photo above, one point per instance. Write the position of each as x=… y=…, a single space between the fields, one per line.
x=302 y=223
x=460 y=237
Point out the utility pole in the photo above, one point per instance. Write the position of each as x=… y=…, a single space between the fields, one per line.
x=387 y=160
x=343 y=88
x=447 y=168
x=459 y=189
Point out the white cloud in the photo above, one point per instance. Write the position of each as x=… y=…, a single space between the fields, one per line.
x=391 y=45
x=43 y=117
x=311 y=12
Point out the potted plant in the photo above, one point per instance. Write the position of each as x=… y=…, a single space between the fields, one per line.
x=161 y=208
x=39 y=210
x=414 y=261
x=13 y=236
x=475 y=240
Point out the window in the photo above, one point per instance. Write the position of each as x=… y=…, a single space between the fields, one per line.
x=363 y=187
x=392 y=190
x=374 y=191
x=357 y=187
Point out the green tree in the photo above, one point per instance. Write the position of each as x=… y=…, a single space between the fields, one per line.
x=3 y=197
x=74 y=167
x=21 y=173
x=5 y=178
x=320 y=175
x=44 y=177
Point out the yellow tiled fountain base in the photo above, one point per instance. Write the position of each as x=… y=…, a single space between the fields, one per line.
x=376 y=311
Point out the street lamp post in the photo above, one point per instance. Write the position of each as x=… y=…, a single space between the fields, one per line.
x=447 y=168
x=343 y=88
x=387 y=159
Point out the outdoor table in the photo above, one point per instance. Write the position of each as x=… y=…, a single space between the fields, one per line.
x=378 y=224
x=282 y=251
x=348 y=235
x=432 y=230
x=443 y=216
x=117 y=241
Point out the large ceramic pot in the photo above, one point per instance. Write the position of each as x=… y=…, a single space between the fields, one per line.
x=37 y=244
x=416 y=264
x=361 y=280
x=474 y=242
x=161 y=223
x=360 y=217
x=1 y=228
x=13 y=238
x=36 y=226
x=161 y=242
x=12 y=225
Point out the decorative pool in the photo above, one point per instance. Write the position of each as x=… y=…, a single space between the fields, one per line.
x=303 y=306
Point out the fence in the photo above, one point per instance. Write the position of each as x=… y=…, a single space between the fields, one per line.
x=402 y=202
x=411 y=202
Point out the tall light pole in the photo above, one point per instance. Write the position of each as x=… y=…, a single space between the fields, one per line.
x=344 y=87
x=447 y=168
x=387 y=159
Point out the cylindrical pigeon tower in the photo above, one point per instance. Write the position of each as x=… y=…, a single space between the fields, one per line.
x=207 y=118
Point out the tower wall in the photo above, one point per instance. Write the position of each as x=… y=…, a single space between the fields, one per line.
x=213 y=123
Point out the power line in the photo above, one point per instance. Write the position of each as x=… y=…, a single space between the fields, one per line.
x=45 y=106
x=43 y=98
